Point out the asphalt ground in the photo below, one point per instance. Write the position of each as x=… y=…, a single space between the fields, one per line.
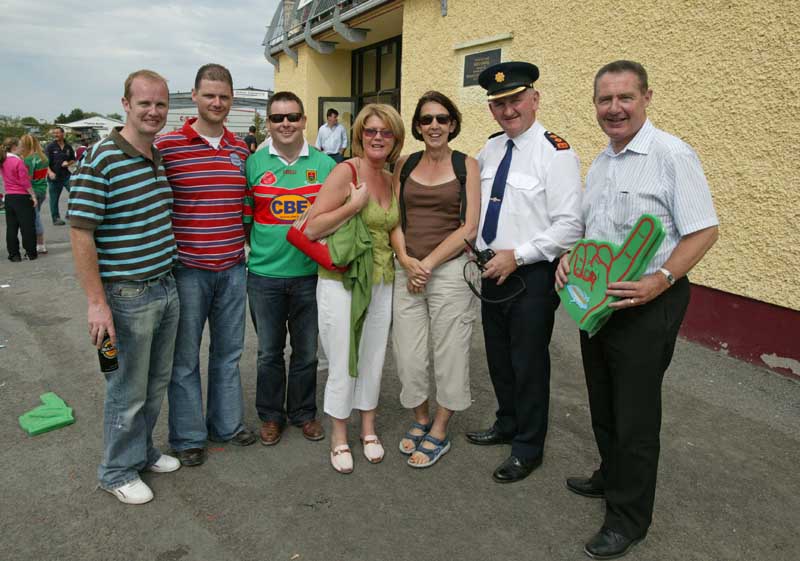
x=728 y=485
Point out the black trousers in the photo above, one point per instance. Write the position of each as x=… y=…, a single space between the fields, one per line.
x=20 y=216
x=517 y=336
x=624 y=365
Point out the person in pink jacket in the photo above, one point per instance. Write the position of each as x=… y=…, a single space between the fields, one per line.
x=20 y=203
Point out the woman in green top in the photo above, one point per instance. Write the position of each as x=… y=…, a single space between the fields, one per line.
x=358 y=186
x=36 y=162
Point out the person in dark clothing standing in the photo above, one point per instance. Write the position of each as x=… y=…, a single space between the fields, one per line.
x=251 y=140
x=60 y=155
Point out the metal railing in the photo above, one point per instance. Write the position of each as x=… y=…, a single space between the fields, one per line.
x=291 y=16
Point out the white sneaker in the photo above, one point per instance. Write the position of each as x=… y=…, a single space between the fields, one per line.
x=165 y=464
x=41 y=248
x=134 y=493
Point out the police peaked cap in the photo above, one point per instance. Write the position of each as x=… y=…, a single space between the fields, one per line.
x=507 y=78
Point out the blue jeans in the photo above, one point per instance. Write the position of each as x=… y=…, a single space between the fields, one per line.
x=219 y=297
x=146 y=320
x=54 y=187
x=40 y=198
x=274 y=303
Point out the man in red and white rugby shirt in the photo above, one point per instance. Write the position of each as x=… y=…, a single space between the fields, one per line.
x=205 y=165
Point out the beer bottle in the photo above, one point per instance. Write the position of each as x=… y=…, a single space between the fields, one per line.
x=108 y=355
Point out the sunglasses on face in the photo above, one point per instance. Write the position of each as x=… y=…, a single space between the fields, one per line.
x=441 y=119
x=385 y=133
x=278 y=118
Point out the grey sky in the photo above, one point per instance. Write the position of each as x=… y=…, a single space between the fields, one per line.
x=58 y=55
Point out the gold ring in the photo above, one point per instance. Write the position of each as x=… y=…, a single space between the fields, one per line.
x=633 y=301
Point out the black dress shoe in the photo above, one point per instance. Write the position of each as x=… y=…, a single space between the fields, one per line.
x=585 y=487
x=608 y=544
x=244 y=437
x=192 y=456
x=515 y=469
x=487 y=437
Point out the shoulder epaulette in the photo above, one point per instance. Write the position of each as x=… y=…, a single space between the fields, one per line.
x=557 y=142
x=498 y=133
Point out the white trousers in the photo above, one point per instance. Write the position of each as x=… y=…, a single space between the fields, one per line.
x=343 y=393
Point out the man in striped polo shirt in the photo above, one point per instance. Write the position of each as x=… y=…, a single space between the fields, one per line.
x=121 y=231
x=284 y=179
x=205 y=167
x=643 y=170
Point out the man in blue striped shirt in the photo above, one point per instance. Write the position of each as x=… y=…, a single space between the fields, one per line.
x=121 y=231
x=643 y=170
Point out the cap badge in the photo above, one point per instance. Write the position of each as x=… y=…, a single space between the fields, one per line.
x=500 y=77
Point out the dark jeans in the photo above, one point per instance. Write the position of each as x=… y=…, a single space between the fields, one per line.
x=54 y=187
x=20 y=217
x=274 y=304
x=517 y=335
x=337 y=157
x=624 y=365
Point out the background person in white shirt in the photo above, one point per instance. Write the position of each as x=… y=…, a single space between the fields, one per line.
x=530 y=215
x=332 y=137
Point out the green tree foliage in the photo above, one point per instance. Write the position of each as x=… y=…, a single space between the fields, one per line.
x=29 y=121
x=259 y=124
x=11 y=126
x=116 y=116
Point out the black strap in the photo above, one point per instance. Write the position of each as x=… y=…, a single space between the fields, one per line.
x=459 y=161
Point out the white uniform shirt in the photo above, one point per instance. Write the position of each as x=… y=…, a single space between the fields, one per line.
x=656 y=173
x=540 y=213
x=331 y=140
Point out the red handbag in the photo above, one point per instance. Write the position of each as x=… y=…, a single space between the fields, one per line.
x=317 y=250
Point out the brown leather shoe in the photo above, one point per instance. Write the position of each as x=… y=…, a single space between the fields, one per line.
x=313 y=430
x=270 y=433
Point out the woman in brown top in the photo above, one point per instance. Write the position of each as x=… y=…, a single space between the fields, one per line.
x=430 y=295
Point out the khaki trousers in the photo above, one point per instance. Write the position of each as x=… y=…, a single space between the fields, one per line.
x=445 y=312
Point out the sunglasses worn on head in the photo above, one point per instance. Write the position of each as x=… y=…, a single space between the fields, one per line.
x=278 y=118
x=428 y=119
x=385 y=133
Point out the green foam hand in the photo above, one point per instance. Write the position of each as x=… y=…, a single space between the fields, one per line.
x=53 y=414
x=596 y=264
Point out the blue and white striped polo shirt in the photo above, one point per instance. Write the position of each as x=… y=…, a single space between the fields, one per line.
x=656 y=173
x=126 y=200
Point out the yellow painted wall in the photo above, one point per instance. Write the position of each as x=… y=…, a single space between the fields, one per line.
x=724 y=76
x=314 y=76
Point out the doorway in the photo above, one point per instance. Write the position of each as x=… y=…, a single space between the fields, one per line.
x=376 y=74
x=346 y=106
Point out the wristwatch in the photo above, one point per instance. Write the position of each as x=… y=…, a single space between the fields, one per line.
x=518 y=260
x=668 y=275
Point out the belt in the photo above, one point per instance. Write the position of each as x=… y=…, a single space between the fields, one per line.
x=147 y=282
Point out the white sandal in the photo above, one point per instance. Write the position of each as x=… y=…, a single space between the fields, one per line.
x=373 y=449
x=342 y=459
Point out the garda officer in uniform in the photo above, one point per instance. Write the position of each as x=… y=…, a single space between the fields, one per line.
x=530 y=215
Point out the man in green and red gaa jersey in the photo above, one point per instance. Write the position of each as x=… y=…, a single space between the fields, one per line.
x=283 y=180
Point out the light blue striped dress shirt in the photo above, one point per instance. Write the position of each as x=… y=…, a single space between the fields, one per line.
x=656 y=173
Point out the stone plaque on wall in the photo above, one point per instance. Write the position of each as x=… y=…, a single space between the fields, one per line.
x=476 y=63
